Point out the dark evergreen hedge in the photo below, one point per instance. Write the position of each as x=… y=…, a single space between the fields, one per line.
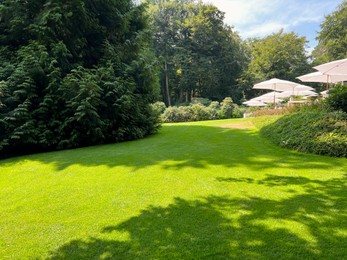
x=74 y=73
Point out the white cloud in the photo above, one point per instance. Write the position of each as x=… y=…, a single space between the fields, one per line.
x=263 y=29
x=258 y=18
x=243 y=12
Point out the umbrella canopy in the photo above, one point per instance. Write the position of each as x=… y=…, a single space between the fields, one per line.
x=308 y=93
x=284 y=94
x=322 y=78
x=302 y=88
x=271 y=94
x=325 y=93
x=276 y=84
x=254 y=103
x=267 y=99
x=337 y=67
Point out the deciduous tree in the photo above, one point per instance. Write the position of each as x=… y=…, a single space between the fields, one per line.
x=332 y=38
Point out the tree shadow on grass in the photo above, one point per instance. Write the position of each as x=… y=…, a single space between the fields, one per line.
x=308 y=225
x=188 y=146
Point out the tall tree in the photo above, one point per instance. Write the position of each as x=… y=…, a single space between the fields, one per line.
x=332 y=38
x=74 y=73
x=280 y=55
x=201 y=56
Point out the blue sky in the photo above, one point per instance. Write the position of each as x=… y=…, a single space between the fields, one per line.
x=259 y=18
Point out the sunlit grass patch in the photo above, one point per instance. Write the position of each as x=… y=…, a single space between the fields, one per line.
x=193 y=191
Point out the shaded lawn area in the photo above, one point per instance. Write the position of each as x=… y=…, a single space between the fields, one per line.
x=206 y=190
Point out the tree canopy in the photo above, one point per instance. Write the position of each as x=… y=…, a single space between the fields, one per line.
x=332 y=38
x=279 y=55
x=201 y=56
x=74 y=73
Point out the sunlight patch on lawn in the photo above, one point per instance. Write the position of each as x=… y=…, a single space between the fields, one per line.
x=296 y=228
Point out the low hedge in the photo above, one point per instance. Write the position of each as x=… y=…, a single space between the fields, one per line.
x=313 y=131
x=199 y=111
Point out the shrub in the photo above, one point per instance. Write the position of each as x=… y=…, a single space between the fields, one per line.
x=199 y=112
x=312 y=131
x=226 y=108
x=213 y=109
x=171 y=114
x=337 y=99
x=237 y=111
x=158 y=107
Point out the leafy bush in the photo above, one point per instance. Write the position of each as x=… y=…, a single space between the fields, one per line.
x=337 y=99
x=226 y=108
x=172 y=114
x=158 y=107
x=213 y=109
x=312 y=131
x=199 y=112
x=202 y=101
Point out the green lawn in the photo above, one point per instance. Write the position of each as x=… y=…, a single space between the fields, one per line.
x=206 y=190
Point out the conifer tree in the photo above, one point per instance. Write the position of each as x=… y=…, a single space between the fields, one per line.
x=74 y=73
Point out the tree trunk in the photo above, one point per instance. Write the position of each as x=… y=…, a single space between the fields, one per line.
x=167 y=83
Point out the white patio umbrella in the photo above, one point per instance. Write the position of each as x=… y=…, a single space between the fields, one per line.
x=325 y=93
x=302 y=88
x=337 y=67
x=276 y=85
x=267 y=99
x=284 y=94
x=254 y=103
x=306 y=93
x=322 y=78
x=270 y=94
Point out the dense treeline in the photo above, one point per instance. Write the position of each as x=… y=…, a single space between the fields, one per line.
x=83 y=72
x=74 y=73
x=200 y=56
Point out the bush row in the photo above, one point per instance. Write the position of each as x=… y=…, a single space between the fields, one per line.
x=197 y=111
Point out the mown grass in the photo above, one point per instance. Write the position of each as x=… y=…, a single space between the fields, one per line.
x=206 y=190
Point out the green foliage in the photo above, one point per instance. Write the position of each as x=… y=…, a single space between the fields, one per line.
x=159 y=107
x=226 y=108
x=199 y=112
x=312 y=131
x=74 y=73
x=175 y=114
x=279 y=55
x=337 y=99
x=202 y=101
x=332 y=38
x=213 y=109
x=201 y=56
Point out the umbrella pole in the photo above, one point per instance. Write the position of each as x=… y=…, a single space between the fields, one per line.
x=275 y=96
